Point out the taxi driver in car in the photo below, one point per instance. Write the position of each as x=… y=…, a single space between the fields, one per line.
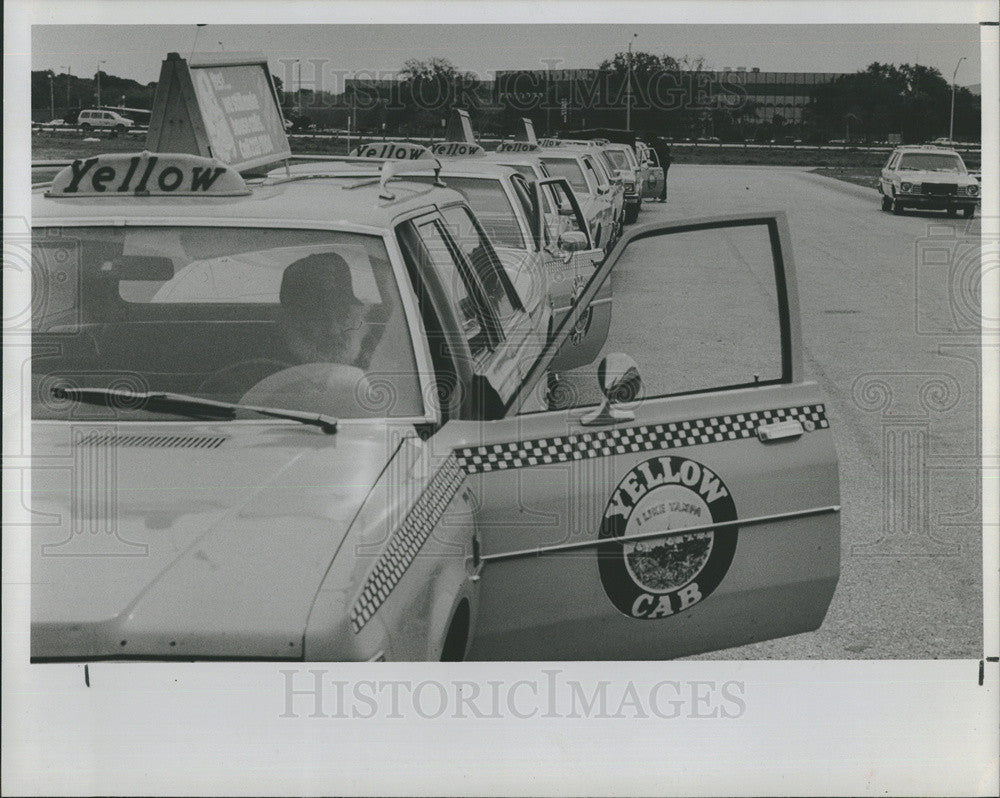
x=321 y=326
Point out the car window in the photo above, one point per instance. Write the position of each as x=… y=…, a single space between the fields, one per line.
x=615 y=159
x=593 y=172
x=488 y=199
x=456 y=284
x=570 y=169
x=475 y=248
x=307 y=320
x=704 y=312
x=931 y=162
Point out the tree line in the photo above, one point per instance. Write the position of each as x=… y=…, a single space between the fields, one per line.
x=667 y=95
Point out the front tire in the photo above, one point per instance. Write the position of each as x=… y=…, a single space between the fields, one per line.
x=886 y=203
x=631 y=215
x=896 y=206
x=969 y=212
x=85 y=126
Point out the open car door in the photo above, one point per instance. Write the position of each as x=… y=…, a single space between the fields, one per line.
x=695 y=506
x=571 y=261
x=652 y=174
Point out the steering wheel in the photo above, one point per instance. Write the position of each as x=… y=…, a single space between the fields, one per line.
x=237 y=378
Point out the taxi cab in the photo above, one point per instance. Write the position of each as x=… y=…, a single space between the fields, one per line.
x=651 y=170
x=602 y=203
x=304 y=418
x=928 y=177
x=541 y=258
x=620 y=160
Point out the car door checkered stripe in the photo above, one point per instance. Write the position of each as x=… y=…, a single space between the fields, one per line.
x=422 y=518
x=407 y=541
x=605 y=443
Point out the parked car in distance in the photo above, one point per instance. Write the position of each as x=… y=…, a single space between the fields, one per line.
x=930 y=178
x=108 y=120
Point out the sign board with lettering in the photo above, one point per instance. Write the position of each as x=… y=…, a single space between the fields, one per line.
x=147 y=174
x=456 y=149
x=220 y=105
x=517 y=146
x=391 y=150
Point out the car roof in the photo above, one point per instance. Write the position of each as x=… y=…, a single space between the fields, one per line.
x=532 y=157
x=926 y=148
x=573 y=153
x=456 y=167
x=354 y=202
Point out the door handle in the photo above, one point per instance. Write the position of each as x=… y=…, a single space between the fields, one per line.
x=776 y=430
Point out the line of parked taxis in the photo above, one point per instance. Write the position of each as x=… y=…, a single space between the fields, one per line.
x=309 y=415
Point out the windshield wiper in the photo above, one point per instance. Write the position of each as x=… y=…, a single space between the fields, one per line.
x=188 y=406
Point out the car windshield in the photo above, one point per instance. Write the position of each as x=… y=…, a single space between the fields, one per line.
x=616 y=159
x=931 y=162
x=307 y=320
x=570 y=169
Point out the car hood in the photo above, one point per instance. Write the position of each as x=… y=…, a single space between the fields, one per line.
x=936 y=177
x=189 y=539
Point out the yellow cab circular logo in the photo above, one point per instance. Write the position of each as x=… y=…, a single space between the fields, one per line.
x=649 y=575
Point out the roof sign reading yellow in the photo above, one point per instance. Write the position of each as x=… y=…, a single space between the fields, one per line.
x=219 y=105
x=391 y=151
x=146 y=175
x=518 y=146
x=456 y=149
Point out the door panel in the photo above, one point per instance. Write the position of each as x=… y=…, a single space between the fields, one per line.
x=568 y=273
x=653 y=184
x=622 y=601
x=582 y=526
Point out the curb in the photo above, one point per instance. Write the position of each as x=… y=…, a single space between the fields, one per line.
x=847 y=188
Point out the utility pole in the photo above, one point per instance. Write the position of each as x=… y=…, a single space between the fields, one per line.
x=99 y=82
x=52 y=93
x=628 y=87
x=951 y=123
x=298 y=89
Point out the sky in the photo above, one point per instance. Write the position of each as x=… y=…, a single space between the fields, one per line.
x=135 y=51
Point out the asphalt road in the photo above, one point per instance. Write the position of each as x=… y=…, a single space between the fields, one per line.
x=890 y=330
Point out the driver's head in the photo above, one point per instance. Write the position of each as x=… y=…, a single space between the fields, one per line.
x=320 y=318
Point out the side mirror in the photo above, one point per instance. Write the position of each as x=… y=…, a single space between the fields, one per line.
x=619 y=380
x=573 y=241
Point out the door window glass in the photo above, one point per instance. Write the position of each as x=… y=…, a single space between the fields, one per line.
x=698 y=310
x=478 y=253
x=594 y=173
x=455 y=285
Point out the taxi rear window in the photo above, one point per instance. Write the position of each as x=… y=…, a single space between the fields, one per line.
x=570 y=169
x=488 y=199
x=616 y=159
x=306 y=320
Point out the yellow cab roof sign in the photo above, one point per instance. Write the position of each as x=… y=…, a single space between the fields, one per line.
x=517 y=146
x=219 y=105
x=457 y=149
x=146 y=174
x=391 y=151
